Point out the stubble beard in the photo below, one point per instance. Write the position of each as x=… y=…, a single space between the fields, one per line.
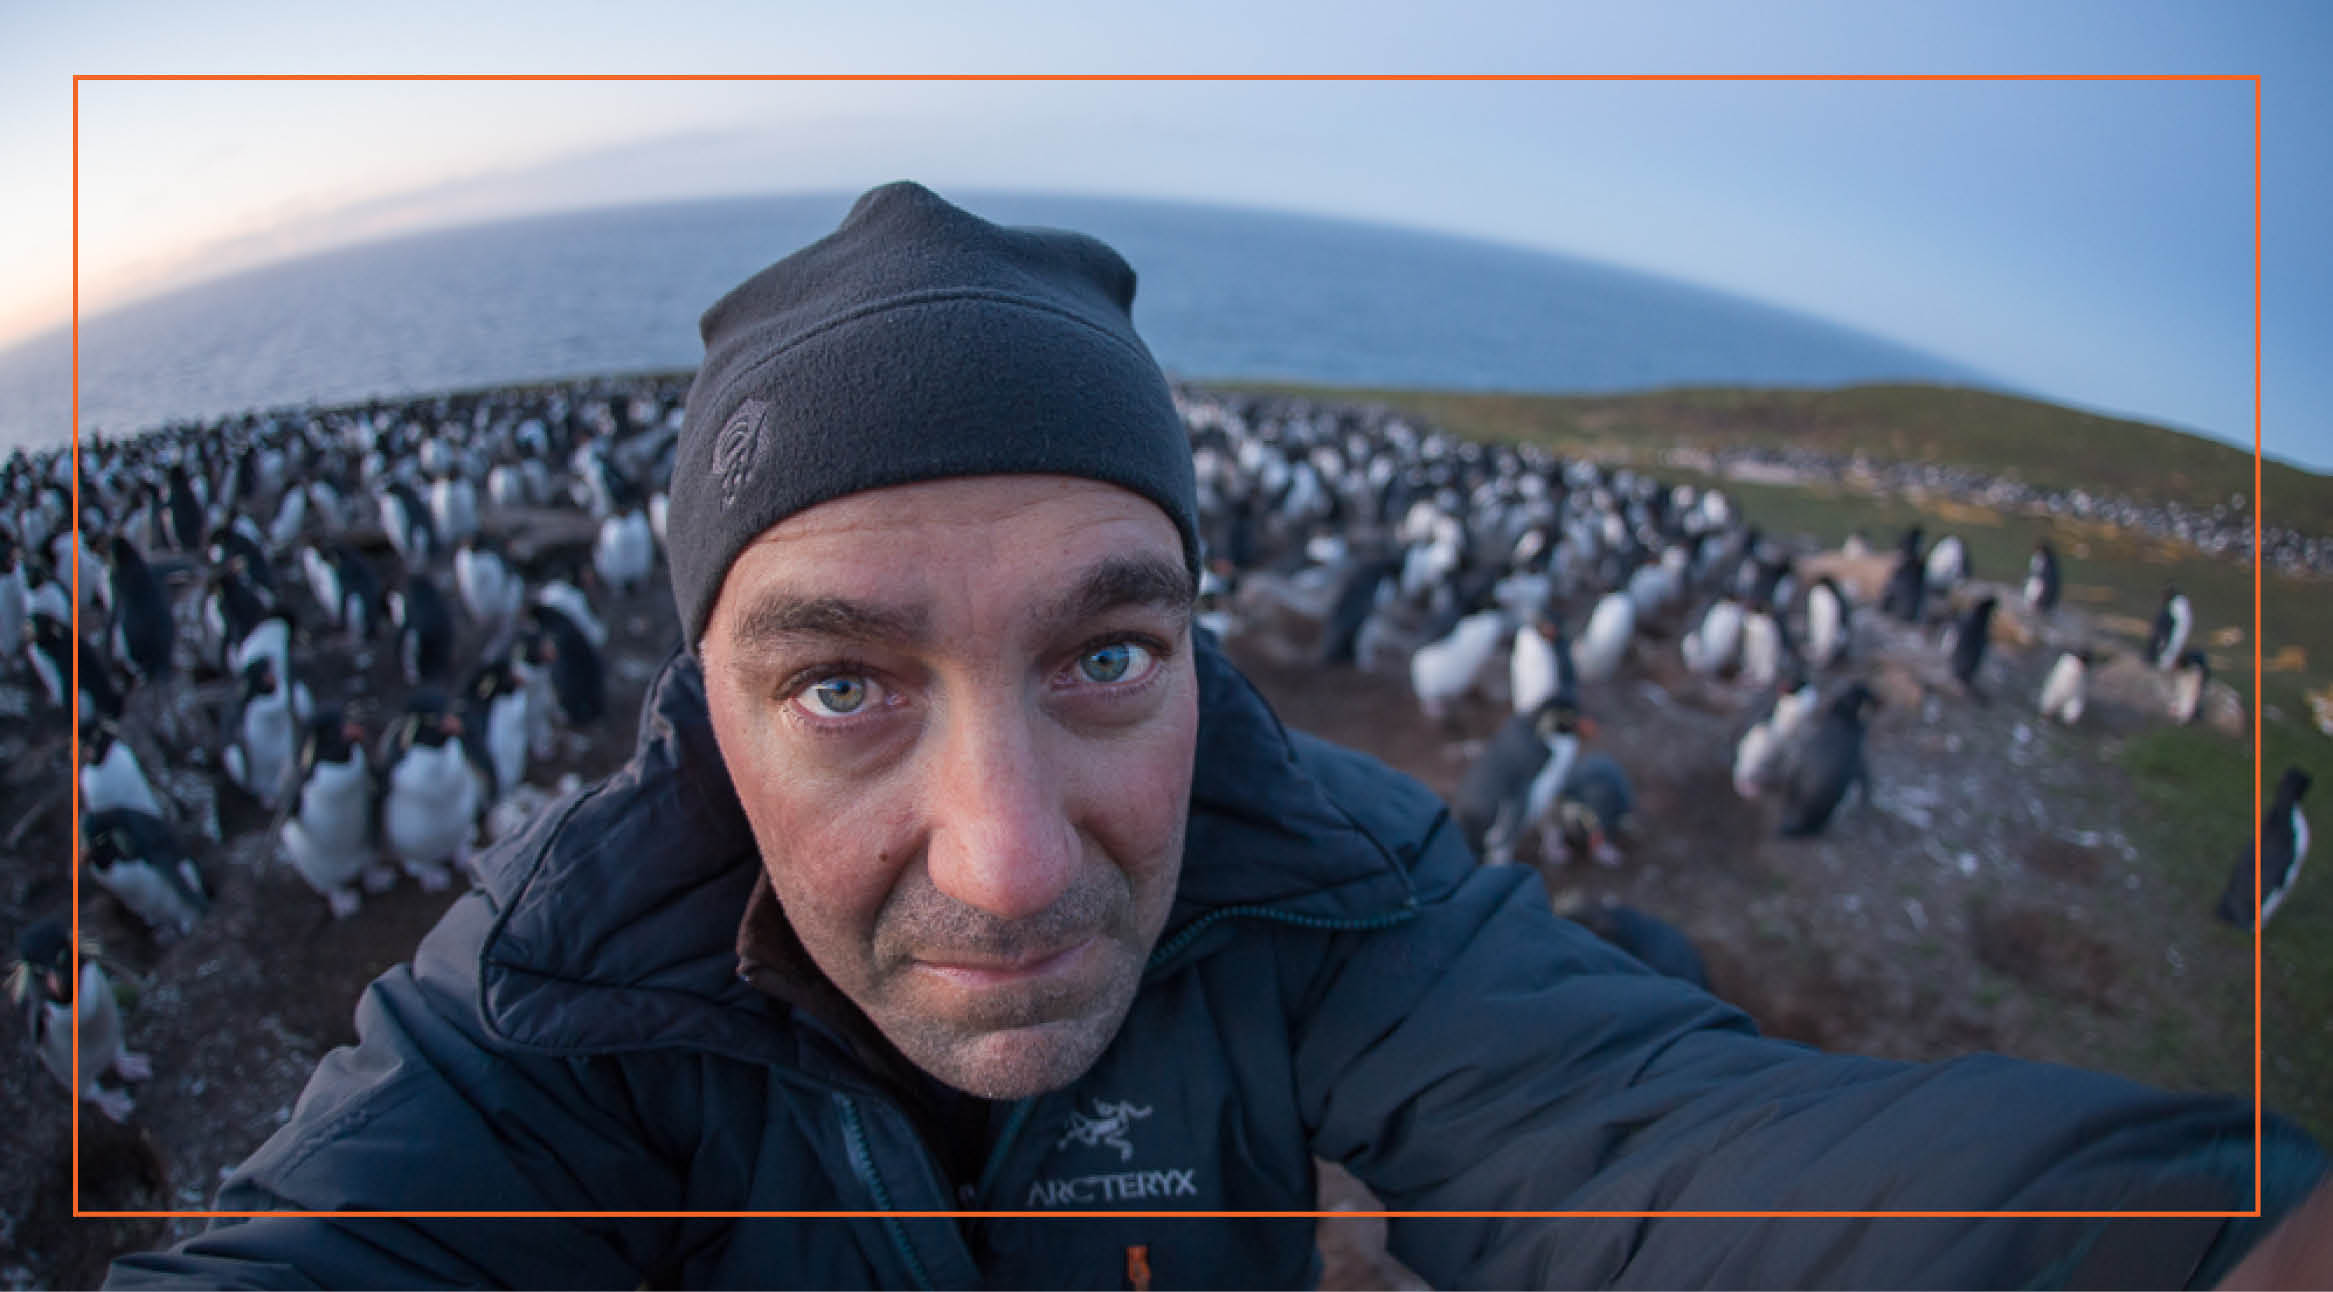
x=1027 y=1038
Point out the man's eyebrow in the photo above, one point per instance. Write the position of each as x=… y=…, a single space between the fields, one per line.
x=780 y=619
x=1120 y=581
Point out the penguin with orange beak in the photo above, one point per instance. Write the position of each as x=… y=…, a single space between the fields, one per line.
x=327 y=829
x=433 y=790
x=40 y=985
x=1515 y=784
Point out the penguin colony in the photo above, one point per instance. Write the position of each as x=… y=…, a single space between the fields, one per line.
x=217 y=563
x=1341 y=538
x=250 y=594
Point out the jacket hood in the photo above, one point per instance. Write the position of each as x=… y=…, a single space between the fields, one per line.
x=615 y=913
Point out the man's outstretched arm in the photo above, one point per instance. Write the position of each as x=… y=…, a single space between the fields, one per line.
x=1491 y=1056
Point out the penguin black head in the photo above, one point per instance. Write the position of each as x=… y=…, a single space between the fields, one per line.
x=1856 y=703
x=1912 y=540
x=50 y=634
x=43 y=960
x=2196 y=661
x=537 y=646
x=108 y=838
x=494 y=678
x=259 y=677
x=427 y=720
x=1560 y=715
x=2294 y=784
x=331 y=736
x=97 y=741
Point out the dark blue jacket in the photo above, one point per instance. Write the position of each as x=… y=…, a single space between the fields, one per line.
x=1338 y=978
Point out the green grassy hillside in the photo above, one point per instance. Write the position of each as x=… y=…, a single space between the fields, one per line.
x=2040 y=443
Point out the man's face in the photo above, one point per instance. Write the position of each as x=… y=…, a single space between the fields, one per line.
x=961 y=716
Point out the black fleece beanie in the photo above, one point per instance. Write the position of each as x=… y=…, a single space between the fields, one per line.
x=916 y=342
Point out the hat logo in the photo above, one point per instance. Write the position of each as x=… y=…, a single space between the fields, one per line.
x=737 y=447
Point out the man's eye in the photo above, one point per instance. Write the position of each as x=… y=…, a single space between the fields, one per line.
x=1113 y=663
x=837 y=697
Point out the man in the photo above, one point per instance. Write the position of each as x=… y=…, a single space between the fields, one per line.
x=953 y=872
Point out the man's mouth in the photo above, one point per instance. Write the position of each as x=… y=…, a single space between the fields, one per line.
x=988 y=971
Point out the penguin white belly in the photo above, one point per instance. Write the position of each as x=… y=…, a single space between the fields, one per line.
x=328 y=840
x=331 y=513
x=505 y=487
x=50 y=599
x=52 y=679
x=432 y=801
x=2033 y=590
x=1761 y=650
x=117 y=781
x=99 y=1028
x=541 y=699
x=506 y=740
x=632 y=550
x=2186 y=695
x=1599 y=652
x=2182 y=618
x=2061 y=695
x=1531 y=671
x=1791 y=713
x=1721 y=635
x=1442 y=671
x=162 y=901
x=489 y=590
x=269 y=743
x=1751 y=759
x=608 y=556
x=1822 y=626
x=291 y=519
x=1547 y=784
x=2300 y=853
x=324 y=583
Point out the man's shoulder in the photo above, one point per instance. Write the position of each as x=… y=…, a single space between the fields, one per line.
x=1285 y=819
x=1395 y=809
x=611 y=919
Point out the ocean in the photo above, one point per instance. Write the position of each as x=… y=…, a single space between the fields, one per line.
x=1223 y=292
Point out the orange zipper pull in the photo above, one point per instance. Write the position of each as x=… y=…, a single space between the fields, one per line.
x=1138 y=1267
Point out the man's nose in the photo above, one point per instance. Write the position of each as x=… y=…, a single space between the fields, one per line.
x=1001 y=837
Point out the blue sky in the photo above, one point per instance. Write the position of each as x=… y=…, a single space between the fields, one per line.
x=2090 y=242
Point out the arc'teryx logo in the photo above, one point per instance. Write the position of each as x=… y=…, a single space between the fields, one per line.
x=737 y=447
x=1108 y=1125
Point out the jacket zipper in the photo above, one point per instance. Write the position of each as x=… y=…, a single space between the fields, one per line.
x=1003 y=1146
x=863 y=1162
